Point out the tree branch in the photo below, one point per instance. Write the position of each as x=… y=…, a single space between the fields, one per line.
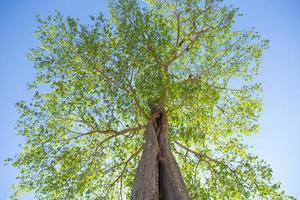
x=174 y=55
x=113 y=132
x=125 y=163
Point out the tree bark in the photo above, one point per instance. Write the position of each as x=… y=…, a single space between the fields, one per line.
x=146 y=178
x=158 y=176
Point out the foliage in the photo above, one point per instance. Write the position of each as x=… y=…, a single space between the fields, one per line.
x=94 y=84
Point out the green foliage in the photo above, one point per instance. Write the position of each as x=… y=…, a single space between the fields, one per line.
x=94 y=84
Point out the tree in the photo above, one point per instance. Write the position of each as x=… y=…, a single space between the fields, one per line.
x=171 y=79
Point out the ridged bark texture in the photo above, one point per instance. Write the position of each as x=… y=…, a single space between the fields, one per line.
x=158 y=176
x=146 y=179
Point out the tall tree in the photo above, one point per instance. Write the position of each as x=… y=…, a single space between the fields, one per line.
x=169 y=78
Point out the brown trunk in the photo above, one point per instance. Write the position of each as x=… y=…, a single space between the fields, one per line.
x=146 y=178
x=158 y=176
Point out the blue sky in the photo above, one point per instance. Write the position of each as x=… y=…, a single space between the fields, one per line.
x=279 y=21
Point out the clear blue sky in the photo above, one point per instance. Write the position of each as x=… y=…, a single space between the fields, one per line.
x=279 y=140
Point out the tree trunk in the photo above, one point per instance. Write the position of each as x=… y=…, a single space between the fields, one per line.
x=146 y=178
x=158 y=176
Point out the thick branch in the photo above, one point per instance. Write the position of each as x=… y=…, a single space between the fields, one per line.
x=113 y=132
x=197 y=154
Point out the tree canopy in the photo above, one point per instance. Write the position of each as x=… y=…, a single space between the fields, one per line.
x=95 y=86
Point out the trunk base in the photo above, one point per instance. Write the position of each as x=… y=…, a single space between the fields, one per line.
x=158 y=176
